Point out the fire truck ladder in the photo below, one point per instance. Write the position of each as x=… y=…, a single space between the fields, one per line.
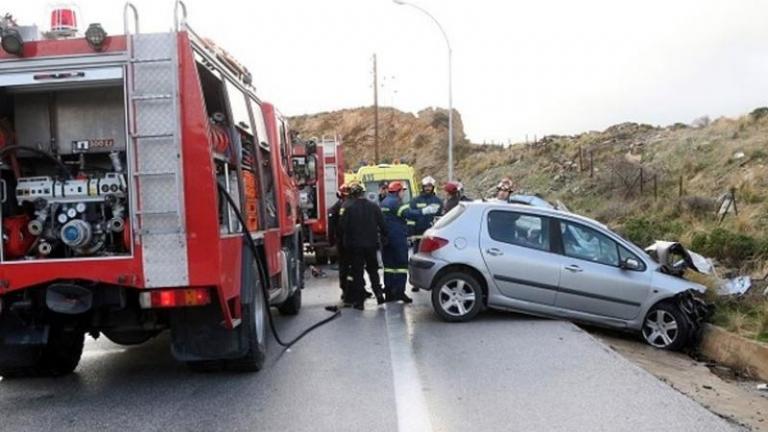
x=153 y=100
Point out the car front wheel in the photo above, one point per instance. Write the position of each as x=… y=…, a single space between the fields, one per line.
x=665 y=327
x=457 y=297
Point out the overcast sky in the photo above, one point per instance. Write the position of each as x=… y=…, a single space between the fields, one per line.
x=520 y=67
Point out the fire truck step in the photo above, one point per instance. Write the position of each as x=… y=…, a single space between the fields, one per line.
x=155 y=173
x=152 y=97
x=149 y=232
x=152 y=136
x=157 y=212
x=152 y=60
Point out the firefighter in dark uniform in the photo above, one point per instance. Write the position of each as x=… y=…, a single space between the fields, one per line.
x=395 y=251
x=335 y=236
x=363 y=228
x=425 y=207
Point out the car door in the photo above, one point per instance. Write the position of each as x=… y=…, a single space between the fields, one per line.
x=592 y=279
x=516 y=248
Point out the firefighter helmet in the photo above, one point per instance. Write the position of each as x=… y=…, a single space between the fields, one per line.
x=428 y=181
x=355 y=188
x=395 y=186
x=451 y=187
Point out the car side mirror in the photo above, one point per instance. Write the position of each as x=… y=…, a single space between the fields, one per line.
x=630 y=264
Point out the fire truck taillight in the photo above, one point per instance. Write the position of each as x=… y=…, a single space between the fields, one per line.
x=172 y=298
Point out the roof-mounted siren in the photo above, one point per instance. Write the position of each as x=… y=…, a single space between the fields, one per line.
x=64 y=21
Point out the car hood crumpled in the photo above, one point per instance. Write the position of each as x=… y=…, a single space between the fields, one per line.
x=665 y=253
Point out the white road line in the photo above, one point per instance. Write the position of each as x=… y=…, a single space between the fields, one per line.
x=412 y=412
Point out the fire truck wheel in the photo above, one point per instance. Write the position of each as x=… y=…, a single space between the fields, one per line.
x=254 y=328
x=292 y=305
x=60 y=356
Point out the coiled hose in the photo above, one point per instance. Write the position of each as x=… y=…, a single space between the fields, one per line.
x=255 y=250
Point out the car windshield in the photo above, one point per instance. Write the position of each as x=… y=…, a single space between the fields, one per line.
x=372 y=190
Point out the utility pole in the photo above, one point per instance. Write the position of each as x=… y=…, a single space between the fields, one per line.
x=375 y=113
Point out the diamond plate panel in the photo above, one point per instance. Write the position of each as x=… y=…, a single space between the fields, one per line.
x=155 y=116
x=157 y=155
x=165 y=260
x=158 y=194
x=153 y=78
x=153 y=45
x=159 y=224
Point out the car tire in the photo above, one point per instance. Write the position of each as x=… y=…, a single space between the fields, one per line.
x=665 y=327
x=292 y=305
x=457 y=297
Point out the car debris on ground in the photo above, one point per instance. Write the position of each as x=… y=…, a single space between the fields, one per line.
x=676 y=259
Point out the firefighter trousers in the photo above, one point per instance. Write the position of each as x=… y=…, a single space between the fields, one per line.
x=395 y=259
x=357 y=260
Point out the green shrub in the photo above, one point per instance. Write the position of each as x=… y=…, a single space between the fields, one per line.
x=759 y=113
x=728 y=246
x=643 y=231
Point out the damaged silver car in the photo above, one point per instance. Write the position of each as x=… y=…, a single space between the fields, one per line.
x=547 y=262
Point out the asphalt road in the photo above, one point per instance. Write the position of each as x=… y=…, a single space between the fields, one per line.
x=393 y=368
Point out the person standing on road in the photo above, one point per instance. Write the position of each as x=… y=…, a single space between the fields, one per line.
x=424 y=208
x=362 y=225
x=335 y=237
x=395 y=251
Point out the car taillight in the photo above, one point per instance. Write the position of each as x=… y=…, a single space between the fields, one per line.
x=171 y=298
x=430 y=244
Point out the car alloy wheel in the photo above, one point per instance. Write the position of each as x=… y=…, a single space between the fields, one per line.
x=660 y=328
x=457 y=298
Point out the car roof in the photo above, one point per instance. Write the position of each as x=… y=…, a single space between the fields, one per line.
x=534 y=209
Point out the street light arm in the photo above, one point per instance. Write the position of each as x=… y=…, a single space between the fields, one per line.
x=425 y=12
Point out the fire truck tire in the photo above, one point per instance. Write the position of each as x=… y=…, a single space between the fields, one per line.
x=292 y=305
x=254 y=328
x=59 y=356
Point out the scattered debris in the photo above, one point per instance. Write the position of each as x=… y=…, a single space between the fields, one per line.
x=736 y=286
x=763 y=387
x=316 y=272
x=739 y=155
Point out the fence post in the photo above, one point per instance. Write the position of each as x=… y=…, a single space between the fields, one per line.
x=680 y=190
x=642 y=181
x=655 y=187
x=581 y=160
x=733 y=200
x=591 y=165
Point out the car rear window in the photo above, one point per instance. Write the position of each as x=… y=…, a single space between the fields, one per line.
x=449 y=217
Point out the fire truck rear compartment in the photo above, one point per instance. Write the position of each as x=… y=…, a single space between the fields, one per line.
x=64 y=178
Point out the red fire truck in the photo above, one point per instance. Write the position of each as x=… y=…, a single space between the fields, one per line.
x=318 y=195
x=134 y=169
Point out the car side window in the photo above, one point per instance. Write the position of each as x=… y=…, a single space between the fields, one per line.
x=624 y=253
x=587 y=244
x=519 y=229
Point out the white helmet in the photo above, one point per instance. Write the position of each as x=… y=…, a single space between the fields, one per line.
x=428 y=180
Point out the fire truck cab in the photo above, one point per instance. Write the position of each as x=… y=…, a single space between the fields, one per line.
x=132 y=169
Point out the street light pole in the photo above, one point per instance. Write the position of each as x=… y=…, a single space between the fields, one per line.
x=450 y=82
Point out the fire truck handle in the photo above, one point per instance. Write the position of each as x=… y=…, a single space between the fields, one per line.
x=255 y=250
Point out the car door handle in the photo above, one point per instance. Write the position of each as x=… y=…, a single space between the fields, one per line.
x=494 y=252
x=574 y=269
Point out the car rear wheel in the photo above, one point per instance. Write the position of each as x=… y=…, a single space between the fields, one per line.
x=457 y=297
x=665 y=327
